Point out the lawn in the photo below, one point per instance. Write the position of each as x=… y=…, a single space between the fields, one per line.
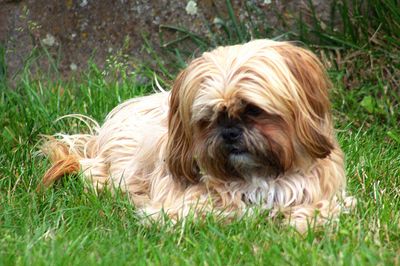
x=71 y=225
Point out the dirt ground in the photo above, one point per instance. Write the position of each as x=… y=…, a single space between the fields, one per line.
x=74 y=31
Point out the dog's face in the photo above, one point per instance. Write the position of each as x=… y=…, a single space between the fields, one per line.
x=259 y=109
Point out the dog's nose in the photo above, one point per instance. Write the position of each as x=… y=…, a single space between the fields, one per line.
x=231 y=134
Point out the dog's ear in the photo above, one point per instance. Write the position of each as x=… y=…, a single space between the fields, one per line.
x=313 y=115
x=180 y=160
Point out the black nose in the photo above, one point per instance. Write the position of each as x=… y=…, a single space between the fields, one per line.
x=231 y=134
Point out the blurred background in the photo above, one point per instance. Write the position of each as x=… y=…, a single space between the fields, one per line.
x=75 y=31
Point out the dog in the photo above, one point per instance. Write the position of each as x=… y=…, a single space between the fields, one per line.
x=244 y=125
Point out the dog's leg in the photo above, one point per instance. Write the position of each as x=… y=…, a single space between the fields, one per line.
x=303 y=217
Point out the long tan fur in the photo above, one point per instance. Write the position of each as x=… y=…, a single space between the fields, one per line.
x=163 y=150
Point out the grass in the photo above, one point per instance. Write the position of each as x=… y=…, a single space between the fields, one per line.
x=68 y=225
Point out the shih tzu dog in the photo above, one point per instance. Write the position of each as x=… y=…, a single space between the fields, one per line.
x=244 y=125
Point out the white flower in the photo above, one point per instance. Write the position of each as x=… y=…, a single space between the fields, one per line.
x=218 y=22
x=191 y=7
x=267 y=2
x=83 y=3
x=73 y=66
x=49 y=40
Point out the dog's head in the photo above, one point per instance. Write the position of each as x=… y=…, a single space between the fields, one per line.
x=257 y=109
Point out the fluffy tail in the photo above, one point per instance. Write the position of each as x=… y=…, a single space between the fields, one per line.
x=66 y=151
x=63 y=162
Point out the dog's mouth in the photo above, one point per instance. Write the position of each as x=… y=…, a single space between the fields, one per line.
x=238 y=151
x=244 y=163
x=241 y=157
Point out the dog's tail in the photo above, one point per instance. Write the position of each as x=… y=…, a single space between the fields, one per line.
x=66 y=151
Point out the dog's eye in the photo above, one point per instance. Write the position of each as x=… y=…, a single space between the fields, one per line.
x=203 y=123
x=252 y=110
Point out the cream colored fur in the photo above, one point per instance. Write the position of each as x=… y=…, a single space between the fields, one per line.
x=129 y=150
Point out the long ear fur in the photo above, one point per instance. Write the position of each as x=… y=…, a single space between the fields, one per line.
x=180 y=159
x=313 y=121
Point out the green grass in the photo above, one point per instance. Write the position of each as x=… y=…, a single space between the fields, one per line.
x=68 y=225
